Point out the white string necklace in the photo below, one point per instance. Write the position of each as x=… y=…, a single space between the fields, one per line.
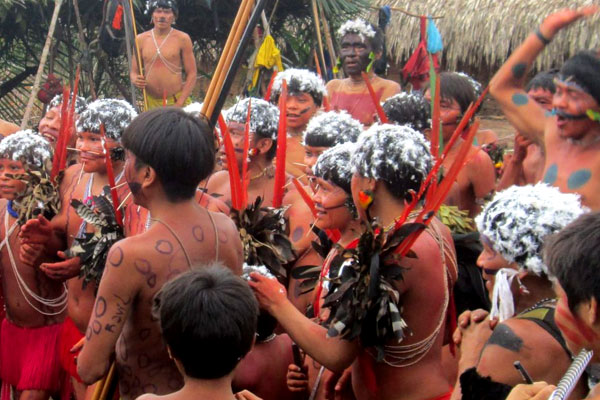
x=174 y=69
x=60 y=301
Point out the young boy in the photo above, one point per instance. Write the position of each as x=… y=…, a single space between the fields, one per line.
x=81 y=181
x=305 y=96
x=208 y=320
x=168 y=153
x=35 y=304
x=477 y=180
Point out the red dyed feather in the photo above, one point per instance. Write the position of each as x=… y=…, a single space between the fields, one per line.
x=270 y=87
x=305 y=196
x=232 y=167
x=70 y=122
x=111 y=177
x=435 y=121
x=281 y=148
x=382 y=117
x=61 y=141
x=245 y=179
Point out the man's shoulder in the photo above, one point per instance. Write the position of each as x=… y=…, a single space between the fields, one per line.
x=333 y=84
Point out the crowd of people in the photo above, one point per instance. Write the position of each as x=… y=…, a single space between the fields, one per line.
x=368 y=258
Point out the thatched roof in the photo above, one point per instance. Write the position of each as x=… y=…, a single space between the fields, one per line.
x=478 y=33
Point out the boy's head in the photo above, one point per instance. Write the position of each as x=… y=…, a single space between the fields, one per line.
x=360 y=44
x=573 y=259
x=305 y=95
x=169 y=146
x=514 y=226
x=264 y=123
x=541 y=88
x=208 y=319
x=327 y=130
x=20 y=153
x=115 y=115
x=162 y=11
x=410 y=109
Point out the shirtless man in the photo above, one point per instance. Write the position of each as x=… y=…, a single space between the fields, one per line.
x=520 y=291
x=360 y=43
x=34 y=303
x=382 y=169
x=6 y=128
x=168 y=154
x=477 y=180
x=166 y=53
x=80 y=182
x=570 y=134
x=305 y=96
x=526 y=164
x=264 y=122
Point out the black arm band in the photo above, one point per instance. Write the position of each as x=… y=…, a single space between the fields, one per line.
x=542 y=38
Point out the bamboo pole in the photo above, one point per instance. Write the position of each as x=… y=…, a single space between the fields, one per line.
x=329 y=40
x=318 y=30
x=137 y=50
x=86 y=48
x=40 y=71
x=128 y=35
x=237 y=32
x=220 y=65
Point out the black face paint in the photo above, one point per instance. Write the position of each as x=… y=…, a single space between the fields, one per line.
x=490 y=272
x=565 y=115
x=334 y=207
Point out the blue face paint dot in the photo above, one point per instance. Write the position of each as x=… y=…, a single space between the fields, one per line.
x=549 y=114
x=551 y=174
x=520 y=99
x=579 y=178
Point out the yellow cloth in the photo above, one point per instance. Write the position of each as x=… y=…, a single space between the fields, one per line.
x=154 y=102
x=268 y=56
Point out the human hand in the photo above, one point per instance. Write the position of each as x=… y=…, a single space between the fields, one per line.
x=563 y=18
x=296 y=379
x=535 y=391
x=520 y=148
x=466 y=319
x=246 y=395
x=138 y=81
x=337 y=384
x=36 y=231
x=62 y=270
x=473 y=331
x=269 y=292
x=30 y=253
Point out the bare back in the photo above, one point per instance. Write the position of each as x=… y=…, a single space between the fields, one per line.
x=137 y=267
x=424 y=292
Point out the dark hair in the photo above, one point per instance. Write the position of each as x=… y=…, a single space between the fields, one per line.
x=396 y=155
x=573 y=257
x=584 y=69
x=330 y=128
x=265 y=325
x=177 y=146
x=208 y=319
x=299 y=81
x=376 y=41
x=543 y=80
x=408 y=109
x=457 y=87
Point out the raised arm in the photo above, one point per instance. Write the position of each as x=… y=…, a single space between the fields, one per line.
x=189 y=65
x=334 y=353
x=114 y=301
x=507 y=85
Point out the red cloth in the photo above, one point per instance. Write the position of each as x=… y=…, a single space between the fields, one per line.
x=69 y=337
x=29 y=357
x=416 y=69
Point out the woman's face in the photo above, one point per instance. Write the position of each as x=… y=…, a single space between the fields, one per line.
x=330 y=203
